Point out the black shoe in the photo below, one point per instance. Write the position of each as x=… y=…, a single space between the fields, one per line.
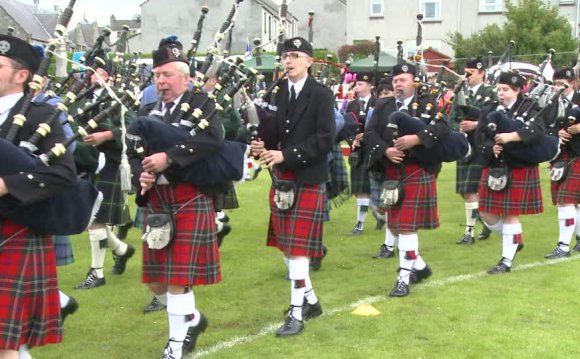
x=380 y=224
x=193 y=333
x=121 y=261
x=154 y=306
x=316 y=262
x=70 y=308
x=226 y=229
x=384 y=252
x=466 y=239
x=577 y=246
x=358 y=229
x=417 y=276
x=501 y=267
x=291 y=326
x=400 y=290
x=91 y=282
x=310 y=311
x=557 y=253
x=485 y=233
x=168 y=352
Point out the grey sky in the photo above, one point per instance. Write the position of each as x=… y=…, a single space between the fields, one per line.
x=95 y=10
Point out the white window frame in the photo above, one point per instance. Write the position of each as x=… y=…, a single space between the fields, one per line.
x=422 y=9
x=567 y=2
x=376 y=2
x=484 y=6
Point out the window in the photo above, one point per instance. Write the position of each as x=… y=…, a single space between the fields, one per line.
x=490 y=5
x=567 y=2
x=376 y=8
x=431 y=9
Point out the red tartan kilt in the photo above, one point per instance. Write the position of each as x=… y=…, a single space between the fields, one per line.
x=193 y=257
x=568 y=190
x=298 y=231
x=418 y=209
x=29 y=301
x=522 y=196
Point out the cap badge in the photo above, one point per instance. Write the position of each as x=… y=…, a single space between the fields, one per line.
x=405 y=68
x=297 y=43
x=4 y=47
x=176 y=52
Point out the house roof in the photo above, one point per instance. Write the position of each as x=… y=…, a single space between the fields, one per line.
x=27 y=17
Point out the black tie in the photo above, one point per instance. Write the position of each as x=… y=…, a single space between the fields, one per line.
x=167 y=113
x=470 y=93
x=399 y=104
x=292 y=95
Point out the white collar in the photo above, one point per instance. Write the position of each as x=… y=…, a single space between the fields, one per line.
x=7 y=103
x=366 y=99
x=298 y=85
x=475 y=88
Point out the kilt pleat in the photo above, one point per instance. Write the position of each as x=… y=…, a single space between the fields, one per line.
x=113 y=210
x=567 y=191
x=63 y=250
x=338 y=189
x=193 y=257
x=522 y=196
x=359 y=175
x=418 y=209
x=298 y=230
x=468 y=177
x=29 y=301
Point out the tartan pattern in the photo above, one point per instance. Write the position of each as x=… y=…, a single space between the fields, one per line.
x=231 y=198
x=298 y=231
x=139 y=221
x=113 y=210
x=29 y=301
x=418 y=209
x=359 y=175
x=193 y=257
x=522 y=196
x=338 y=187
x=63 y=250
x=568 y=190
x=468 y=177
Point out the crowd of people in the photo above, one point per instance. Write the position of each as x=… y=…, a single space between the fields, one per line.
x=397 y=136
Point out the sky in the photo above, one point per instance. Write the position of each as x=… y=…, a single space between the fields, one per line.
x=95 y=10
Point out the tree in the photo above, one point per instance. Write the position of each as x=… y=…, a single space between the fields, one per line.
x=532 y=24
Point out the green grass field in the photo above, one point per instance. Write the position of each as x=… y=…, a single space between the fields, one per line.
x=460 y=312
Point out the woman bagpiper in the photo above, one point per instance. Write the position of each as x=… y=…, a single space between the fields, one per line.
x=521 y=194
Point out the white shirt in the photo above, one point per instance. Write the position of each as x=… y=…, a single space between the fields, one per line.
x=366 y=99
x=6 y=104
x=475 y=88
x=175 y=102
x=297 y=86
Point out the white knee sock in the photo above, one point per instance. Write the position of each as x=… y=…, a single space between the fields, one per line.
x=286 y=261
x=497 y=227
x=362 y=208
x=298 y=272
x=419 y=262
x=567 y=224
x=390 y=239
x=470 y=217
x=23 y=352
x=309 y=292
x=179 y=309
x=577 y=231
x=408 y=250
x=512 y=237
x=98 y=238
x=118 y=246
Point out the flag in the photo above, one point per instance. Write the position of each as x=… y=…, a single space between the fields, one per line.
x=248 y=51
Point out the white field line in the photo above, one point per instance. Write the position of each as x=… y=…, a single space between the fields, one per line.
x=271 y=328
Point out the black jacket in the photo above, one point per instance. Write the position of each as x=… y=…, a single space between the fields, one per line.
x=305 y=133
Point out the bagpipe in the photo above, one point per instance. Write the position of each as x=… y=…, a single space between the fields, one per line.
x=562 y=123
x=150 y=134
x=70 y=211
x=496 y=122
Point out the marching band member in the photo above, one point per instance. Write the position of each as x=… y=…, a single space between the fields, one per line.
x=28 y=280
x=193 y=257
x=468 y=173
x=418 y=207
x=566 y=190
x=305 y=135
x=502 y=202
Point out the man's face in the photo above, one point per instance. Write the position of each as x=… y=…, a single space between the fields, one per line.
x=563 y=83
x=12 y=76
x=170 y=82
x=506 y=94
x=403 y=86
x=475 y=77
x=102 y=73
x=296 y=64
x=363 y=88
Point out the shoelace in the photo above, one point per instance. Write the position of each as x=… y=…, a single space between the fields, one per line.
x=91 y=278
